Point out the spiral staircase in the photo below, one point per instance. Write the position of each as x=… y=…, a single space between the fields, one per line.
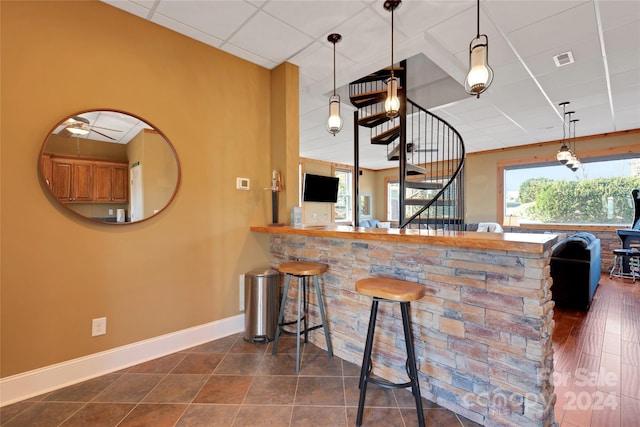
x=430 y=153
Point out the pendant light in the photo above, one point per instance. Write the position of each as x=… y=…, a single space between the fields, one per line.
x=576 y=163
x=392 y=103
x=334 y=123
x=480 y=73
x=572 y=158
x=564 y=154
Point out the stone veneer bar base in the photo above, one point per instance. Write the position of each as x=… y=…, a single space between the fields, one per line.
x=483 y=330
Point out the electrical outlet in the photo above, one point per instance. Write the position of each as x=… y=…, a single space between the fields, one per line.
x=99 y=326
x=241 y=305
x=110 y=211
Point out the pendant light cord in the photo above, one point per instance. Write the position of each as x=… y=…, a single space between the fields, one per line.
x=334 y=69
x=392 y=42
x=478 y=20
x=564 y=123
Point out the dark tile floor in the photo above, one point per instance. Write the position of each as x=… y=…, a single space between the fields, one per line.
x=227 y=382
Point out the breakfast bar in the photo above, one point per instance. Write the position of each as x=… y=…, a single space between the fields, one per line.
x=482 y=330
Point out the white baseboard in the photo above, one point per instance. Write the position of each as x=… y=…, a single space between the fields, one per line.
x=42 y=380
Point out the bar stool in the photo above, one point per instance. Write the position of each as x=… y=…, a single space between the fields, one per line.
x=303 y=270
x=390 y=290
x=619 y=257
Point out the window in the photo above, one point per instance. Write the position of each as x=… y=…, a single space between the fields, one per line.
x=393 y=200
x=343 y=207
x=597 y=193
x=443 y=210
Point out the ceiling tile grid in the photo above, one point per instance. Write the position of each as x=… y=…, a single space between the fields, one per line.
x=519 y=108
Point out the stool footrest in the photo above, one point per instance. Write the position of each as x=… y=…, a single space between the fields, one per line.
x=388 y=384
x=302 y=331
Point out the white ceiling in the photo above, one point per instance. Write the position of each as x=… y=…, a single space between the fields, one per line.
x=520 y=107
x=106 y=126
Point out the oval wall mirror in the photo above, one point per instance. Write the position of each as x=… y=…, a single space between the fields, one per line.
x=109 y=166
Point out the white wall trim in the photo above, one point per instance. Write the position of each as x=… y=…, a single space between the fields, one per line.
x=42 y=380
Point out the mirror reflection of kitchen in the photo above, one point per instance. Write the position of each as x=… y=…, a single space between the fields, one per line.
x=109 y=166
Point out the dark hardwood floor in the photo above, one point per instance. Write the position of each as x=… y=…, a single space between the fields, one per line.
x=597 y=358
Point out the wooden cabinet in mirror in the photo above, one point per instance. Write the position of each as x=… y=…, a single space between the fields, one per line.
x=109 y=166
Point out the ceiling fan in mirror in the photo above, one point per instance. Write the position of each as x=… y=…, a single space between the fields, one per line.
x=80 y=126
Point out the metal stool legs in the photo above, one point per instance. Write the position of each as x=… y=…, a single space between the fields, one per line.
x=302 y=315
x=617 y=265
x=412 y=371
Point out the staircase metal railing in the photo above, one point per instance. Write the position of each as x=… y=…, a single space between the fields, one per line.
x=429 y=150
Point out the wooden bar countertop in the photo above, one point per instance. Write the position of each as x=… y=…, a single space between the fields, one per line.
x=519 y=242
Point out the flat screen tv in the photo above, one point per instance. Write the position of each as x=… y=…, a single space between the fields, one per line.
x=319 y=188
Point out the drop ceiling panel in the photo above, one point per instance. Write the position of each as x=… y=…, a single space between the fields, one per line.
x=188 y=31
x=628 y=118
x=626 y=90
x=320 y=18
x=513 y=15
x=542 y=116
x=571 y=75
x=268 y=32
x=621 y=45
x=310 y=102
x=417 y=16
x=615 y=13
x=316 y=61
x=581 y=94
x=367 y=35
x=271 y=38
x=567 y=28
x=217 y=18
x=508 y=74
x=455 y=33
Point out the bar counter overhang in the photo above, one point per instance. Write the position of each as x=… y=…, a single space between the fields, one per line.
x=482 y=331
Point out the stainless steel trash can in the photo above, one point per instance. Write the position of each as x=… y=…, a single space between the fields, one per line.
x=261 y=305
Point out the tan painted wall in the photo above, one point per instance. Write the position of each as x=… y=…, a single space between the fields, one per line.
x=285 y=151
x=174 y=271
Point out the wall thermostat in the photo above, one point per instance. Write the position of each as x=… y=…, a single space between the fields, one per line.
x=242 y=183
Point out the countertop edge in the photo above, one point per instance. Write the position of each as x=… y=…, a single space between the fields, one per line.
x=518 y=242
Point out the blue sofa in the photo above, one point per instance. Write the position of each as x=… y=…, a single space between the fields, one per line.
x=374 y=223
x=575 y=269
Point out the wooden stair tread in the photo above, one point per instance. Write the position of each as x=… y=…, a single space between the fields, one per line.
x=436 y=221
x=368 y=98
x=374 y=120
x=386 y=137
x=390 y=289
x=422 y=202
x=424 y=185
x=365 y=99
x=303 y=268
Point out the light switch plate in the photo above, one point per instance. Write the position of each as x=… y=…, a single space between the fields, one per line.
x=242 y=183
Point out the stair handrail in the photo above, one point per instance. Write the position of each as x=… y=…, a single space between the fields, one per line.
x=408 y=221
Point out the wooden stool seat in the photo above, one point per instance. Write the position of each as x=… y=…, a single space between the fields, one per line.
x=307 y=273
x=303 y=268
x=390 y=289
